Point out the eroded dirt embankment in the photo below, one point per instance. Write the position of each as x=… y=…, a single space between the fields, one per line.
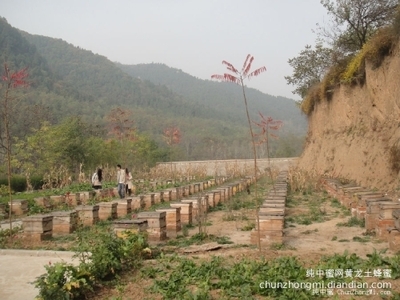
x=352 y=134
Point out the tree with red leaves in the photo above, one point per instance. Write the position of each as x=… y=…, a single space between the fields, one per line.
x=238 y=77
x=172 y=136
x=267 y=125
x=121 y=127
x=11 y=80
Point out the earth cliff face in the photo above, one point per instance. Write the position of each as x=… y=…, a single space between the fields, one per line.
x=352 y=134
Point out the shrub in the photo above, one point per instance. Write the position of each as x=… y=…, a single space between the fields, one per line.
x=37 y=182
x=103 y=254
x=18 y=183
x=63 y=281
x=380 y=46
x=312 y=97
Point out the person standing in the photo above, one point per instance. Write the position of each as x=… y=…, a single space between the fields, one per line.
x=121 y=180
x=97 y=179
x=129 y=183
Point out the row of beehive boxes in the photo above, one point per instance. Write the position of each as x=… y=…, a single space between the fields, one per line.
x=20 y=206
x=378 y=210
x=167 y=222
x=269 y=228
x=64 y=222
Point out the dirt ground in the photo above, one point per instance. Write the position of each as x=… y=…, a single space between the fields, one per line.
x=307 y=242
x=303 y=241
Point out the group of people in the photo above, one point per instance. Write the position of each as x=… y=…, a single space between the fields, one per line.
x=124 y=181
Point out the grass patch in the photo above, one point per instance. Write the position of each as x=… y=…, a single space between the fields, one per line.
x=365 y=239
x=281 y=246
x=249 y=226
x=309 y=231
x=352 y=222
x=198 y=239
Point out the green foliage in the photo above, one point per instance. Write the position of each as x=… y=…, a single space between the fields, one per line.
x=354 y=22
x=312 y=97
x=104 y=254
x=6 y=233
x=309 y=68
x=69 y=81
x=198 y=239
x=18 y=183
x=369 y=34
x=182 y=278
x=4 y=190
x=101 y=255
x=63 y=281
x=352 y=222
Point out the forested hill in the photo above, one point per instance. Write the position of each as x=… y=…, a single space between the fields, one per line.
x=70 y=81
x=224 y=97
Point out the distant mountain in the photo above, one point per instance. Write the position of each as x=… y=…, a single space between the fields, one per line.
x=223 y=97
x=67 y=80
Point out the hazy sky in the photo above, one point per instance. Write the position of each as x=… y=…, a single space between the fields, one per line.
x=191 y=35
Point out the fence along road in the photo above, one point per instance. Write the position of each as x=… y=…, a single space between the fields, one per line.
x=222 y=167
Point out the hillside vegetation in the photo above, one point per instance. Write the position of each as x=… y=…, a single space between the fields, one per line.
x=111 y=115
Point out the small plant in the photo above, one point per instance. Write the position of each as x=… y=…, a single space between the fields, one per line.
x=352 y=222
x=63 y=281
x=361 y=239
x=281 y=246
x=309 y=231
x=249 y=226
x=335 y=203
